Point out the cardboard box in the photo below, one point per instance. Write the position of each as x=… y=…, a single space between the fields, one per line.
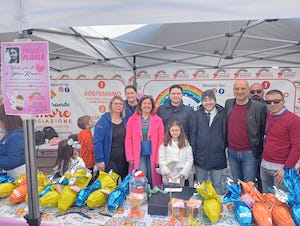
x=158 y=203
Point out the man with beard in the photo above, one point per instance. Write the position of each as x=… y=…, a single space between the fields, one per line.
x=256 y=92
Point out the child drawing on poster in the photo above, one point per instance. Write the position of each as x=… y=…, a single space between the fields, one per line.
x=16 y=101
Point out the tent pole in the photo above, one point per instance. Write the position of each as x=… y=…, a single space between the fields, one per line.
x=33 y=217
x=134 y=72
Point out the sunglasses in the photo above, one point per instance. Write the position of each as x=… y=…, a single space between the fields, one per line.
x=256 y=91
x=274 y=101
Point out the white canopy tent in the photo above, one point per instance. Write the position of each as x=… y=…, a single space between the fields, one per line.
x=222 y=44
x=230 y=33
x=18 y=15
x=180 y=34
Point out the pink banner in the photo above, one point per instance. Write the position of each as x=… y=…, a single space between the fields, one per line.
x=25 y=77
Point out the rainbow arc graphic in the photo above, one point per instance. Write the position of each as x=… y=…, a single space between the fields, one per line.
x=188 y=91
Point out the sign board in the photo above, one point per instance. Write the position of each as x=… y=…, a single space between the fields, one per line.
x=25 y=78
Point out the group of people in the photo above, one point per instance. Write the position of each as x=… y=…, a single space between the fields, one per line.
x=256 y=132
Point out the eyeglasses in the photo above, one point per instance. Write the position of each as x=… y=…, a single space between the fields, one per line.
x=276 y=101
x=255 y=91
x=117 y=104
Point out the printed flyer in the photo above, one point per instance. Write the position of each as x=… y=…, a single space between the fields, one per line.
x=25 y=78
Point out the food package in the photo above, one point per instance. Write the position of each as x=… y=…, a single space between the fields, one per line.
x=176 y=211
x=108 y=180
x=212 y=205
x=6 y=189
x=96 y=199
x=242 y=213
x=66 y=199
x=85 y=193
x=50 y=199
x=80 y=178
x=19 y=193
x=262 y=214
x=281 y=216
x=212 y=209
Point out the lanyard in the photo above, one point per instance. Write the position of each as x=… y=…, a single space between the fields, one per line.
x=268 y=127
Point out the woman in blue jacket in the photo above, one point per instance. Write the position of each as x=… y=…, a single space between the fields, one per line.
x=12 y=148
x=109 y=137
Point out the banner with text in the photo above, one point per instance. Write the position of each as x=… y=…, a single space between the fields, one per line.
x=25 y=77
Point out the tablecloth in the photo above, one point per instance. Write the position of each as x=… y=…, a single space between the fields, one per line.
x=98 y=216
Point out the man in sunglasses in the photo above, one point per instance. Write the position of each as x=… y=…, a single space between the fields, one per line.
x=282 y=141
x=245 y=120
x=256 y=92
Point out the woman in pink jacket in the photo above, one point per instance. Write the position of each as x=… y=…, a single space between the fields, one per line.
x=144 y=127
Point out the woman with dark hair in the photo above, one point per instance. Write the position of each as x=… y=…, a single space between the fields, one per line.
x=109 y=135
x=12 y=148
x=14 y=55
x=131 y=100
x=144 y=134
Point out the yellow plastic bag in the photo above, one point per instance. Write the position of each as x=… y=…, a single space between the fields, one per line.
x=66 y=199
x=212 y=205
x=212 y=209
x=50 y=199
x=207 y=191
x=41 y=179
x=81 y=178
x=96 y=198
x=108 y=182
x=6 y=189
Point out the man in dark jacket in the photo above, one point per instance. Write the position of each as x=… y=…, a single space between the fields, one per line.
x=174 y=109
x=209 y=155
x=246 y=121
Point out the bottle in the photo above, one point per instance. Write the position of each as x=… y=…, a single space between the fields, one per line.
x=138 y=183
x=137 y=197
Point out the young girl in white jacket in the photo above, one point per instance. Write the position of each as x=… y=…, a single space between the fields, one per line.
x=175 y=156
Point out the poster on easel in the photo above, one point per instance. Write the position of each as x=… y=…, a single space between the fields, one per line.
x=25 y=78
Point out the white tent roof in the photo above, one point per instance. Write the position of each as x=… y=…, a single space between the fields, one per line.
x=17 y=15
x=223 y=38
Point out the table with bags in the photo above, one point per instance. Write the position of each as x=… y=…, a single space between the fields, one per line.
x=72 y=200
x=75 y=199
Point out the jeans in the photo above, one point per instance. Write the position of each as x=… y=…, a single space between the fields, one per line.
x=215 y=177
x=145 y=166
x=243 y=165
x=269 y=180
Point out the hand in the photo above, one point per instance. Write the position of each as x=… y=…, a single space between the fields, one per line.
x=101 y=166
x=180 y=176
x=279 y=174
x=169 y=176
x=130 y=162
